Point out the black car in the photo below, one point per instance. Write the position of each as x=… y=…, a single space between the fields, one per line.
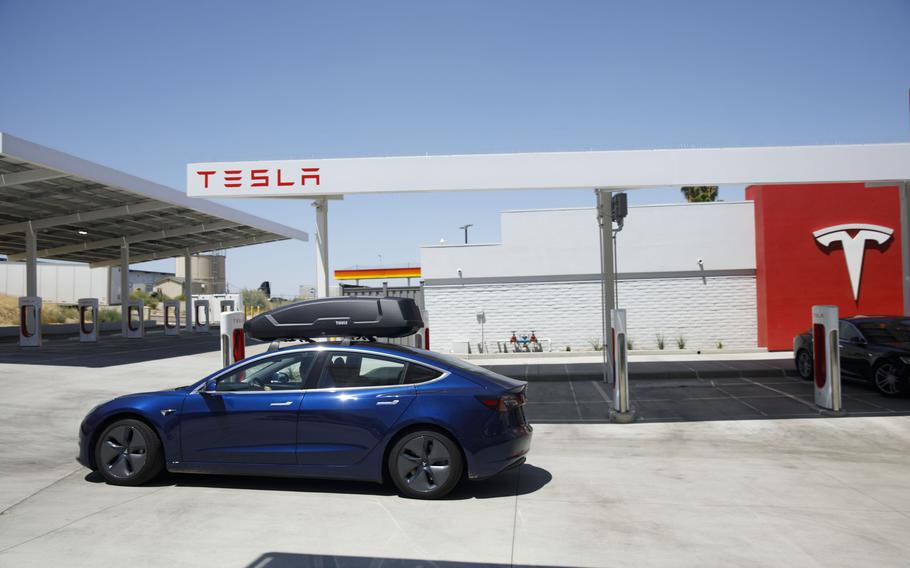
x=876 y=349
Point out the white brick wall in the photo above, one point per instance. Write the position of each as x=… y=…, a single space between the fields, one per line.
x=718 y=308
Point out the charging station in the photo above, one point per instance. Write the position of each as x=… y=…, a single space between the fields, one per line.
x=172 y=317
x=135 y=319
x=201 y=307
x=30 y=321
x=225 y=306
x=233 y=343
x=826 y=358
x=88 y=319
x=621 y=410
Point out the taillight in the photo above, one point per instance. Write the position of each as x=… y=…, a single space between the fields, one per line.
x=503 y=403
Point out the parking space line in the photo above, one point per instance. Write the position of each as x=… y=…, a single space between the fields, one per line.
x=786 y=394
x=601 y=391
x=575 y=398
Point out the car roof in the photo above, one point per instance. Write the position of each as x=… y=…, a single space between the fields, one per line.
x=874 y=319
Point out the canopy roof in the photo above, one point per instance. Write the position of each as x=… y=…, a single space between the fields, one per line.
x=82 y=211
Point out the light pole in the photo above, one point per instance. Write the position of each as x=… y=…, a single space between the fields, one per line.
x=465 y=229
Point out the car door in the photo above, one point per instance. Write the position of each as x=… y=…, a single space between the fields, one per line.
x=357 y=397
x=251 y=416
x=853 y=352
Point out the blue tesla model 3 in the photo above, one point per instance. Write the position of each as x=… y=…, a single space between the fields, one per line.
x=358 y=411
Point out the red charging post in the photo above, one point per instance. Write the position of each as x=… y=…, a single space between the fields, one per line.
x=826 y=358
x=233 y=344
x=30 y=321
x=88 y=320
x=621 y=410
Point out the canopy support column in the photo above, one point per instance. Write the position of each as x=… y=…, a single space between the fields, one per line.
x=124 y=286
x=605 y=220
x=31 y=261
x=904 y=189
x=188 y=289
x=322 y=247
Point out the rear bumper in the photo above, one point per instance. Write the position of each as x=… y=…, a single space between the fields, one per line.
x=502 y=456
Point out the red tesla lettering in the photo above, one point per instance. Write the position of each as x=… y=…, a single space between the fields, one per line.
x=309 y=173
x=280 y=183
x=232 y=176
x=260 y=178
x=205 y=177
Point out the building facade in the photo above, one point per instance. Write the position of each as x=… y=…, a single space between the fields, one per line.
x=700 y=275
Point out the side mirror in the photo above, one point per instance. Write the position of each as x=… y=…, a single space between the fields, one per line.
x=858 y=340
x=211 y=387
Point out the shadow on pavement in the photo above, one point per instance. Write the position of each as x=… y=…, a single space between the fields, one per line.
x=291 y=560
x=111 y=350
x=682 y=400
x=519 y=481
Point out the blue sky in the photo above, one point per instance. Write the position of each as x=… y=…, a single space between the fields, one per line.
x=148 y=87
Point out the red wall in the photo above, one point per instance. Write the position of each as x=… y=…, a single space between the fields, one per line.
x=793 y=271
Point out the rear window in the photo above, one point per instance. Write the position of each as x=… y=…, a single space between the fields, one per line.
x=461 y=364
x=420 y=374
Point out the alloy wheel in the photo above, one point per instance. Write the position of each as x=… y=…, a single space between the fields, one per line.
x=886 y=379
x=804 y=364
x=124 y=451
x=424 y=463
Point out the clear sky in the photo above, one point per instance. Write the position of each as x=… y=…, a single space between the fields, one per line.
x=147 y=87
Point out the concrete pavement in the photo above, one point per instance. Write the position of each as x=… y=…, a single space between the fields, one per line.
x=832 y=492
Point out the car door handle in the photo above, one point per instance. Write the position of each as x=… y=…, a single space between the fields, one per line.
x=387 y=402
x=286 y=403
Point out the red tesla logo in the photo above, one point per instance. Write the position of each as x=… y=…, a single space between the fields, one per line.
x=259 y=178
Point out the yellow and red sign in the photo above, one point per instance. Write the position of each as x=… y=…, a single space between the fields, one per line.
x=376 y=273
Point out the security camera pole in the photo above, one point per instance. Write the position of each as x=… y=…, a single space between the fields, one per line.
x=465 y=229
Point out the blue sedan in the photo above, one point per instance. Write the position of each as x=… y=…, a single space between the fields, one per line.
x=358 y=411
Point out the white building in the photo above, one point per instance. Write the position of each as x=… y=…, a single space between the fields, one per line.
x=685 y=271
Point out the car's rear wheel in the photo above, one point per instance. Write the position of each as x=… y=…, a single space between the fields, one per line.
x=425 y=464
x=887 y=381
x=804 y=365
x=128 y=452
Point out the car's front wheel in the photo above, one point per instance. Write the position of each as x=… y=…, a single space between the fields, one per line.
x=888 y=382
x=425 y=464
x=804 y=365
x=128 y=452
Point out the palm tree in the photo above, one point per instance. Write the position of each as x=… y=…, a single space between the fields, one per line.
x=699 y=193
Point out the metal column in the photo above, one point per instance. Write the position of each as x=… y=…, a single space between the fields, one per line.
x=904 y=189
x=188 y=289
x=605 y=220
x=31 y=261
x=322 y=247
x=124 y=286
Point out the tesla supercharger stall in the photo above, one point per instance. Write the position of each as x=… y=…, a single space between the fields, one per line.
x=225 y=306
x=30 y=321
x=233 y=344
x=200 y=309
x=826 y=358
x=172 y=317
x=621 y=410
x=88 y=319
x=135 y=319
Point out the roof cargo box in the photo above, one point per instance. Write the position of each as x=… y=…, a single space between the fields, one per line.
x=338 y=317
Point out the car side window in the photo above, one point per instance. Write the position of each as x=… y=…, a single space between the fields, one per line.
x=281 y=372
x=346 y=370
x=848 y=332
x=420 y=374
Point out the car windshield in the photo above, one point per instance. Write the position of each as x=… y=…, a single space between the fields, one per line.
x=894 y=331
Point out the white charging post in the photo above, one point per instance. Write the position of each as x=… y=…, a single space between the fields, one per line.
x=201 y=307
x=135 y=319
x=88 y=320
x=233 y=344
x=172 y=317
x=226 y=306
x=30 y=321
x=622 y=409
x=826 y=358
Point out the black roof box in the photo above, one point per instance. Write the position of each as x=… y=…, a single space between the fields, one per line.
x=338 y=317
